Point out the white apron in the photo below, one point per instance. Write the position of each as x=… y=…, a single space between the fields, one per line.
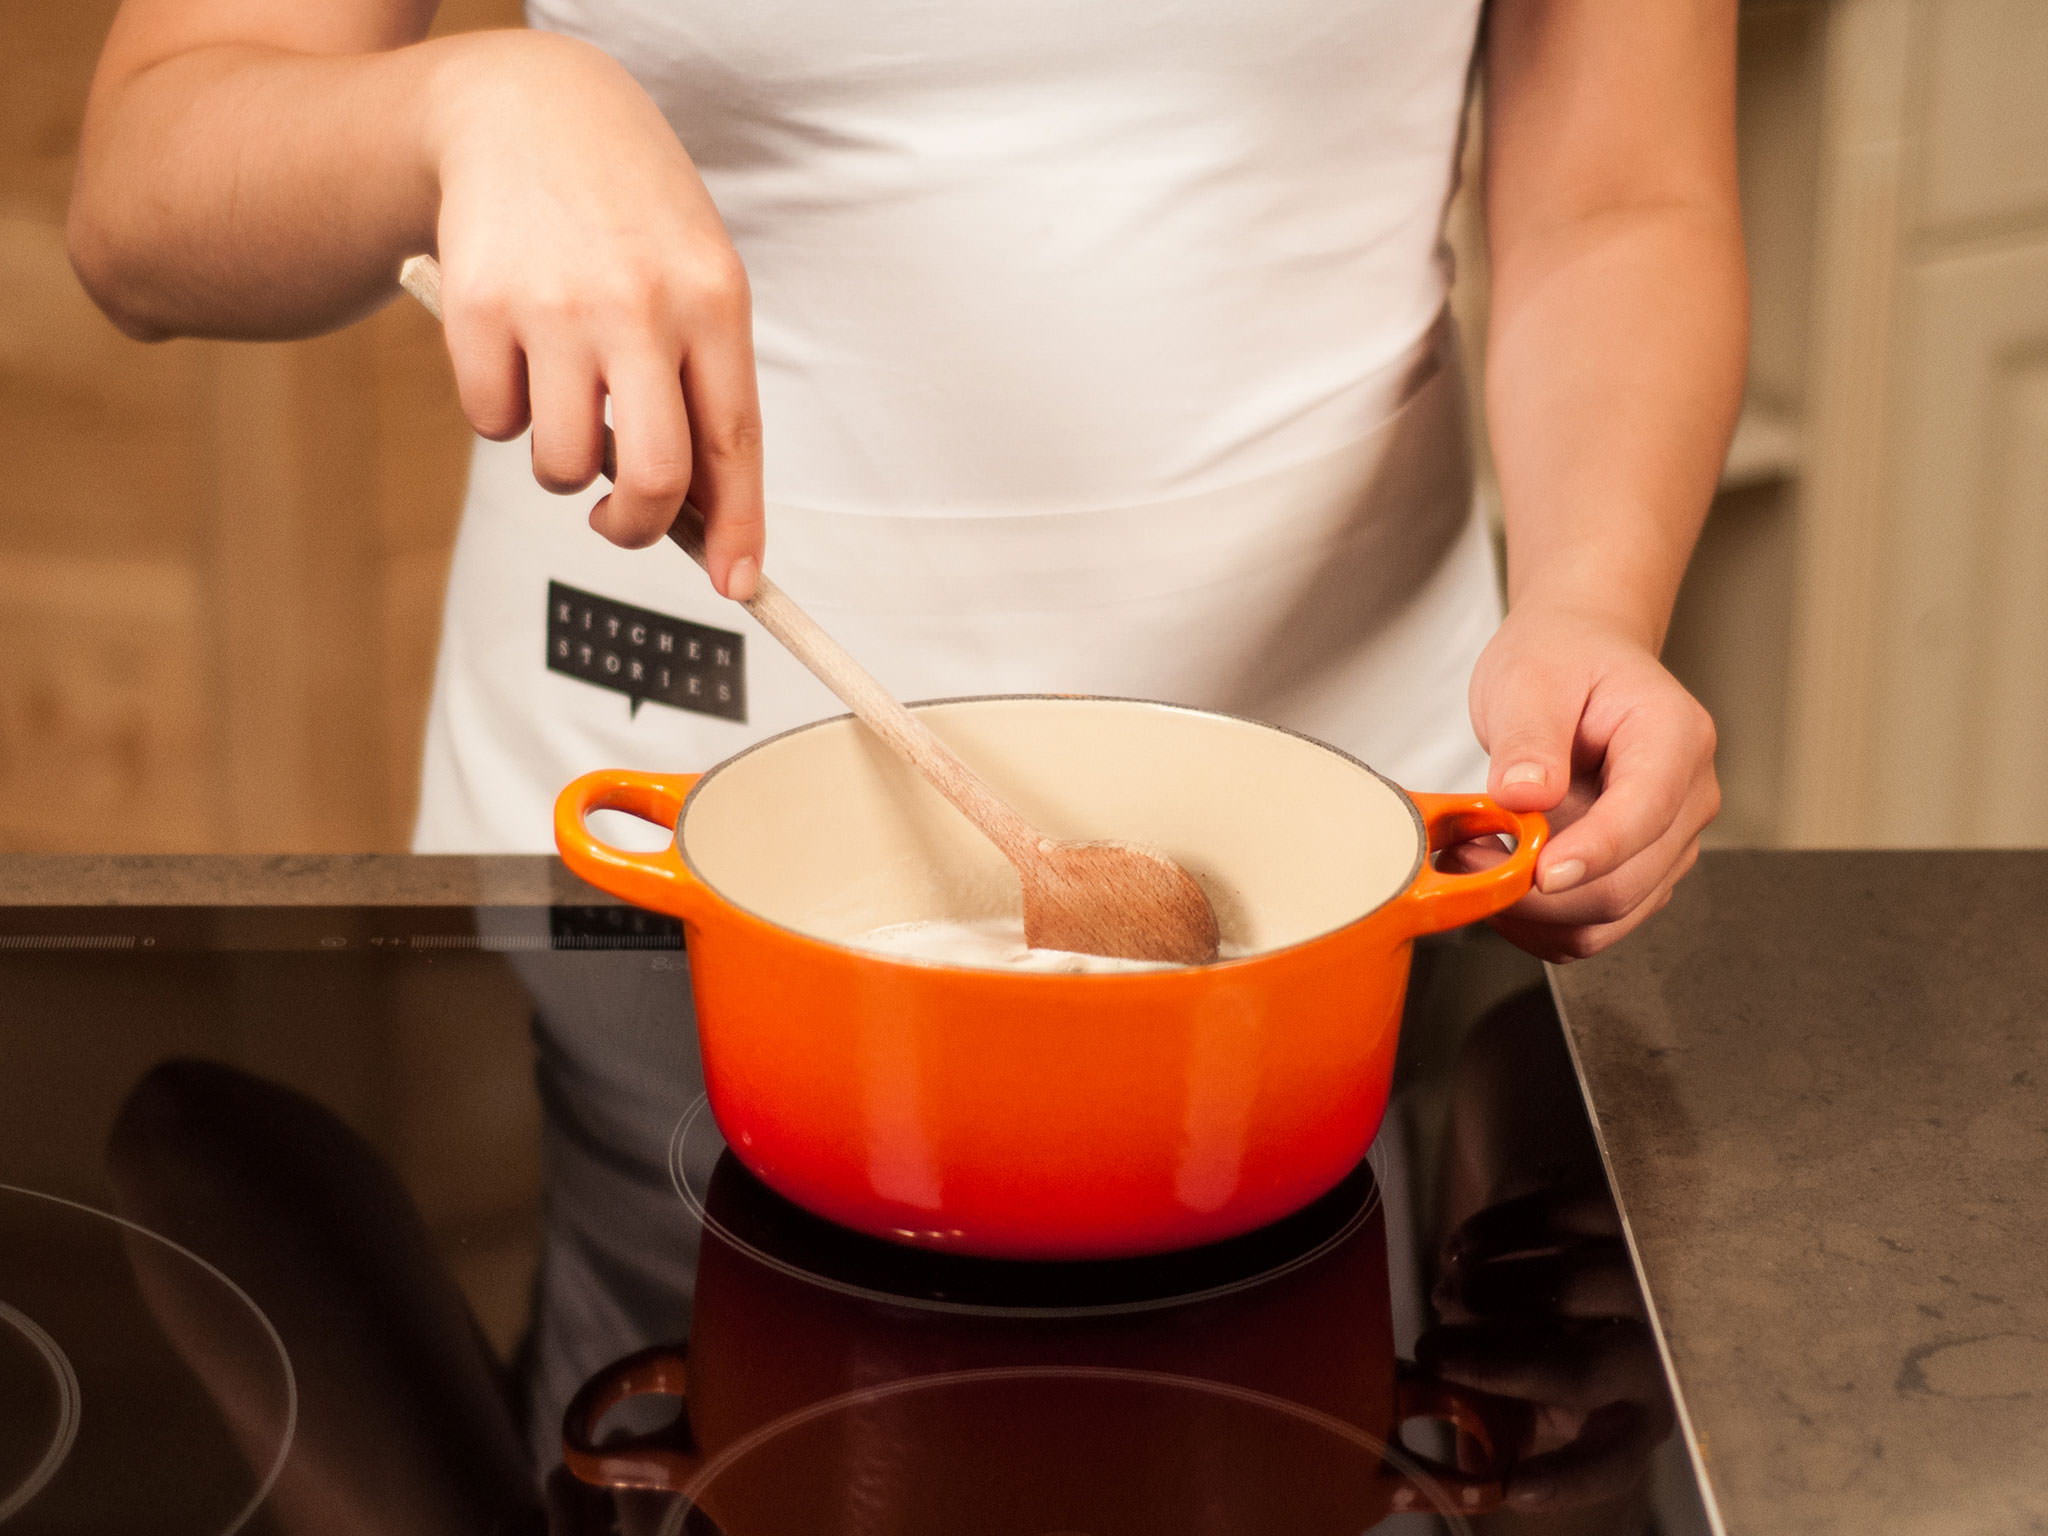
x=1101 y=351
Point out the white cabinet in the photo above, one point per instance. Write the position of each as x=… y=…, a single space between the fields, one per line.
x=1962 y=653
x=1918 y=707
x=1984 y=130
x=1867 y=613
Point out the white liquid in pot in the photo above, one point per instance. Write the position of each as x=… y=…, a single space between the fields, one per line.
x=995 y=943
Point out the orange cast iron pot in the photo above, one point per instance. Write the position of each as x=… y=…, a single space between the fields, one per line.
x=1042 y=1115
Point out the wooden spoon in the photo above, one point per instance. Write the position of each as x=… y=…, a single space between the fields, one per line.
x=1098 y=898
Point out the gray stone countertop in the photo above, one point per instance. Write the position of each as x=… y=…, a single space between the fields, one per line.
x=1821 y=1083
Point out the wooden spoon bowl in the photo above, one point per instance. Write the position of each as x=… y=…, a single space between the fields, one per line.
x=1115 y=899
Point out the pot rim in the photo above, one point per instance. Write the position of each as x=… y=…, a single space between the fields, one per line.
x=1059 y=977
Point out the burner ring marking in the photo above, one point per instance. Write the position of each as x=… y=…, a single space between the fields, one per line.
x=861 y=1397
x=284 y=1359
x=700 y=1109
x=69 y=1400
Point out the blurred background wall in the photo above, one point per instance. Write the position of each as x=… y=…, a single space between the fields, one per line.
x=220 y=565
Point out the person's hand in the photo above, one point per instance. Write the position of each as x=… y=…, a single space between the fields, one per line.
x=1539 y=1305
x=1582 y=721
x=582 y=259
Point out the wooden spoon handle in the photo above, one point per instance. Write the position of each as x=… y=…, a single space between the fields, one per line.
x=774 y=611
x=873 y=705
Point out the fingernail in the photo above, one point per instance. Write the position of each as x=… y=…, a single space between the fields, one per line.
x=1532 y=1490
x=1562 y=876
x=743 y=578
x=1523 y=773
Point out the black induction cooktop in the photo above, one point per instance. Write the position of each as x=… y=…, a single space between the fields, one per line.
x=416 y=1219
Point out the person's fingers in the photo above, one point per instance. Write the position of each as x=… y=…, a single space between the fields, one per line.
x=490 y=368
x=1585 y=921
x=1562 y=943
x=1638 y=751
x=1656 y=776
x=1572 y=1363
x=1593 y=915
x=720 y=390
x=1470 y=858
x=1591 y=1279
x=652 y=431
x=1614 y=896
x=1528 y=719
x=1607 y=1458
x=1542 y=1219
x=567 y=399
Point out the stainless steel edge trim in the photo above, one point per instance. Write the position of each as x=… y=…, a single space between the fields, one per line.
x=1635 y=1255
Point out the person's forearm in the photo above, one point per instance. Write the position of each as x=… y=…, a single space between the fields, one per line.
x=261 y=168
x=1614 y=374
x=237 y=190
x=242 y=191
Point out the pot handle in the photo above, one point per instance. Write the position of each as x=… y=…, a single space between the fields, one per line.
x=1437 y=901
x=665 y=1459
x=1417 y=1396
x=657 y=880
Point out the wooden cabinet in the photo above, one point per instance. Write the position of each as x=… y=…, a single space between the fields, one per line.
x=220 y=583
x=220 y=564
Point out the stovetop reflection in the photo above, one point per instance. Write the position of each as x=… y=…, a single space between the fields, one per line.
x=1248 y=1387
x=698 y=1355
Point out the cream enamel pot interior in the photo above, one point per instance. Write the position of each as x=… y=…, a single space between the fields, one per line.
x=1031 y=1115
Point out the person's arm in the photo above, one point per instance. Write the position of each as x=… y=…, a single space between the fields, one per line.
x=260 y=168
x=1613 y=376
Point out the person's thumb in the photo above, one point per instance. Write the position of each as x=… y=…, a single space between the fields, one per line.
x=1527 y=718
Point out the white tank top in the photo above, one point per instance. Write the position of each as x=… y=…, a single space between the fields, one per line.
x=1101 y=350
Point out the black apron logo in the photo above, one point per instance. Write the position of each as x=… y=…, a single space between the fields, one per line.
x=646 y=655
